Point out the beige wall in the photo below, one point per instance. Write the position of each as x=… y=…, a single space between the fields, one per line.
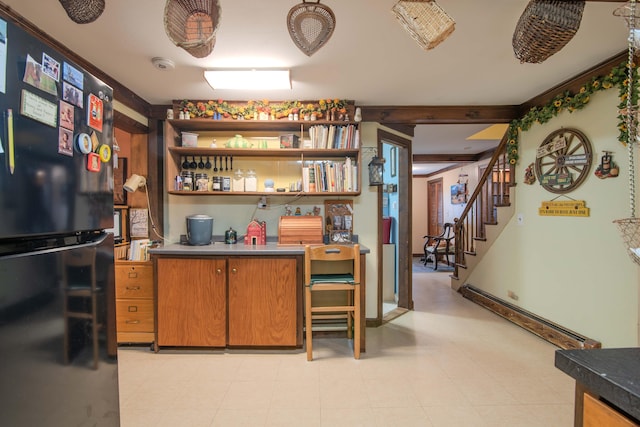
x=420 y=200
x=573 y=271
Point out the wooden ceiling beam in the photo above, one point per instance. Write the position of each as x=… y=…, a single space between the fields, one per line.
x=445 y=158
x=455 y=114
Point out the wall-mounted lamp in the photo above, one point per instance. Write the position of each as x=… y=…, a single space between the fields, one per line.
x=376 y=168
x=248 y=79
x=134 y=182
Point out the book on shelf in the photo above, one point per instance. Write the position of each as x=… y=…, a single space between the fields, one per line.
x=337 y=137
x=138 y=250
x=330 y=176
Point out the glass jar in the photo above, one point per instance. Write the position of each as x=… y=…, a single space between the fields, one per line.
x=238 y=180
x=250 y=181
x=202 y=182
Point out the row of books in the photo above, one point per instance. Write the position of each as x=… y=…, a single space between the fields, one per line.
x=334 y=137
x=138 y=251
x=330 y=176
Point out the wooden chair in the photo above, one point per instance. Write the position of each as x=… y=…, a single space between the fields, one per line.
x=440 y=245
x=336 y=268
x=81 y=309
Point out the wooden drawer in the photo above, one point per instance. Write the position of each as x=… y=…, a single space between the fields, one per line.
x=134 y=280
x=134 y=315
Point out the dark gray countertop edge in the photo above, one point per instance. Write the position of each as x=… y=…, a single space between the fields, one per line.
x=613 y=374
x=218 y=248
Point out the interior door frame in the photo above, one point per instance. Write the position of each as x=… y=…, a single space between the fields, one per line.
x=404 y=240
x=436 y=205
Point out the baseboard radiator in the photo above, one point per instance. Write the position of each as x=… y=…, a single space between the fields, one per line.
x=545 y=329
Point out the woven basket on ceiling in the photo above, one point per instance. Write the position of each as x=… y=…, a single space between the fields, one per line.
x=545 y=27
x=630 y=231
x=83 y=11
x=192 y=24
x=425 y=21
x=310 y=26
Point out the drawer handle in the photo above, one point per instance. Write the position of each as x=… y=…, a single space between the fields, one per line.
x=133 y=309
x=234 y=270
x=219 y=271
x=133 y=288
x=132 y=322
x=133 y=274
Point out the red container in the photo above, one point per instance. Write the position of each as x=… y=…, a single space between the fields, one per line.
x=386 y=230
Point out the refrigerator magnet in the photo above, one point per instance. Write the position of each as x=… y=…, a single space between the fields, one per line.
x=83 y=141
x=93 y=162
x=95 y=142
x=105 y=153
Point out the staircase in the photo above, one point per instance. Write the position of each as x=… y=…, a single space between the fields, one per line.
x=488 y=211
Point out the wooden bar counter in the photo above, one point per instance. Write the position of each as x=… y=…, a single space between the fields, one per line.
x=235 y=296
x=607 y=385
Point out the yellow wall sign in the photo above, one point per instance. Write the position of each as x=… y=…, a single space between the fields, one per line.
x=564 y=208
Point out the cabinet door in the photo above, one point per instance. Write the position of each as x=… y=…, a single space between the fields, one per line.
x=191 y=302
x=262 y=301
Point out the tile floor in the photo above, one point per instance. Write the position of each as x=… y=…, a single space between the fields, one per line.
x=447 y=363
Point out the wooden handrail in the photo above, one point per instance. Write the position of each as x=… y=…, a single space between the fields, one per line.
x=479 y=209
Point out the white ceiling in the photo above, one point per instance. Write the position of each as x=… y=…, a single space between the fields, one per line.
x=369 y=59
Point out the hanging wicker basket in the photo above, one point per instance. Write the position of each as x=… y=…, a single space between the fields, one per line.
x=425 y=21
x=83 y=11
x=310 y=26
x=192 y=24
x=630 y=232
x=545 y=27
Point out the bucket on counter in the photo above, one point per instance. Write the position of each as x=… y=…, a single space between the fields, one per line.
x=199 y=230
x=189 y=139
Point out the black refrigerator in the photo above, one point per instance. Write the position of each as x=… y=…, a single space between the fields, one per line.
x=58 y=357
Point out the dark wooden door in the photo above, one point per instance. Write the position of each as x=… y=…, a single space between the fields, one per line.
x=435 y=209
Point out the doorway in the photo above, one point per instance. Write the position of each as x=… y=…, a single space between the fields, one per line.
x=435 y=210
x=397 y=193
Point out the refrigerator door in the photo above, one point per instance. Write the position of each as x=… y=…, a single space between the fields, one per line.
x=46 y=185
x=51 y=373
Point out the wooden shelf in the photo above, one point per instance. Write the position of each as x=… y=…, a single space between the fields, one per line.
x=264 y=193
x=261 y=152
x=208 y=125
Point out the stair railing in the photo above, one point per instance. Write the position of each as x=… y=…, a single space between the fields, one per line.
x=491 y=191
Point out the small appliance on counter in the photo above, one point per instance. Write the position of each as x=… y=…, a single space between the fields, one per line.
x=199 y=230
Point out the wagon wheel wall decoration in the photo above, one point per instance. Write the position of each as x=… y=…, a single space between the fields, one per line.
x=563 y=160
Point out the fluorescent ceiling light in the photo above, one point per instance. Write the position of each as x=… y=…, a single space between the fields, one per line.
x=248 y=79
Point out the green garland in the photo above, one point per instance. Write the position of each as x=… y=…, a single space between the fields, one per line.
x=249 y=110
x=572 y=102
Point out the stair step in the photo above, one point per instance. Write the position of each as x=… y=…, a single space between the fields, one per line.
x=474 y=253
x=480 y=239
x=462 y=266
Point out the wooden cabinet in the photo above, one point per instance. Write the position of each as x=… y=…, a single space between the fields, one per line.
x=597 y=413
x=192 y=307
x=337 y=170
x=134 y=301
x=262 y=301
x=229 y=301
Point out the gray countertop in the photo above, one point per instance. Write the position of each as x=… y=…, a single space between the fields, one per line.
x=612 y=373
x=219 y=248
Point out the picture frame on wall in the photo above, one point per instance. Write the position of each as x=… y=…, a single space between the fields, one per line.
x=393 y=164
x=458 y=194
x=119 y=177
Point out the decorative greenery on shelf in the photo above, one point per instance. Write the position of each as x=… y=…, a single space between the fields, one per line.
x=572 y=102
x=252 y=109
